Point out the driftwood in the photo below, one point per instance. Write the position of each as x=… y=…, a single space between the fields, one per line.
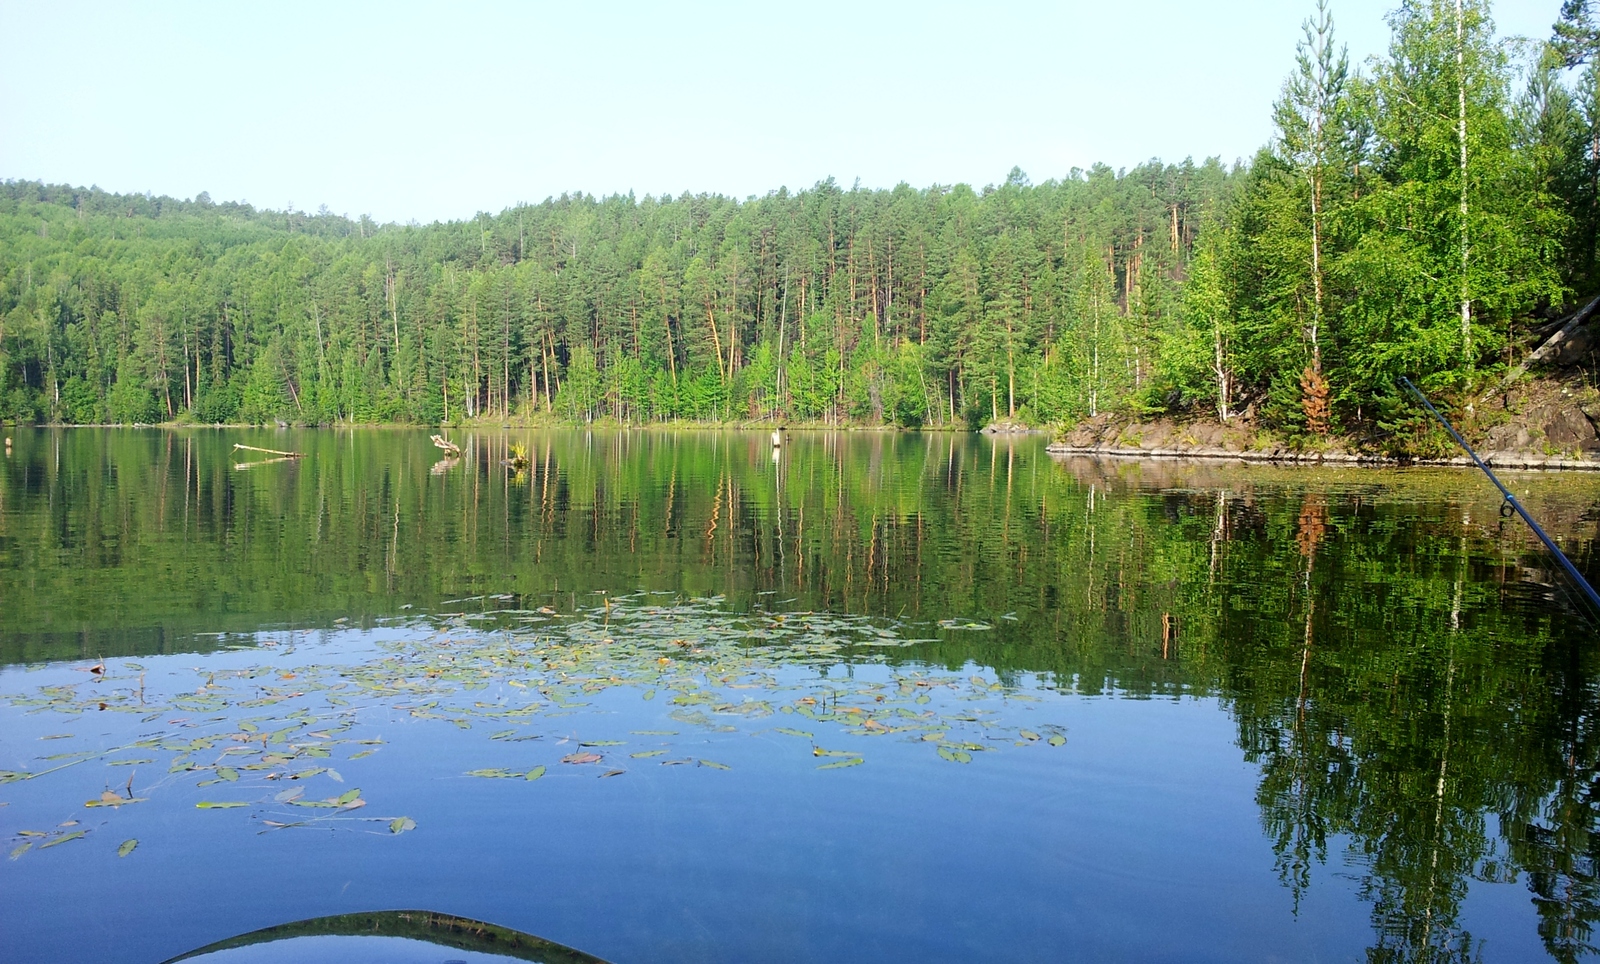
x=450 y=447
x=1550 y=346
x=252 y=448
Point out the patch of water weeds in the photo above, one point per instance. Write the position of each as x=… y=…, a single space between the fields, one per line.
x=268 y=733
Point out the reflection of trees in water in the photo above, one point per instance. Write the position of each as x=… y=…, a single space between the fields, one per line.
x=1393 y=660
x=1399 y=709
x=1552 y=830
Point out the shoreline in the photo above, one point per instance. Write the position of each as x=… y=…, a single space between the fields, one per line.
x=1275 y=456
x=498 y=426
x=1495 y=460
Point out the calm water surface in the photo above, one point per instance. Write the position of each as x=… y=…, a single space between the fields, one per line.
x=669 y=697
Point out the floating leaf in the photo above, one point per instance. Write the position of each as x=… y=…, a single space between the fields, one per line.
x=127 y=847
x=955 y=756
x=493 y=772
x=581 y=758
x=348 y=797
x=357 y=756
x=854 y=761
x=714 y=765
x=616 y=773
x=654 y=732
x=1057 y=740
x=644 y=754
x=110 y=798
x=1028 y=734
x=290 y=795
x=819 y=751
x=75 y=835
x=536 y=772
x=603 y=743
x=21 y=849
x=793 y=732
x=220 y=804
x=402 y=824
x=228 y=773
x=334 y=775
x=127 y=763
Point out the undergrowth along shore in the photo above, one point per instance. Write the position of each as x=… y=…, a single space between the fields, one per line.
x=1548 y=422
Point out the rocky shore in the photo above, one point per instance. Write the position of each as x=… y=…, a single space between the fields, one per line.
x=1541 y=424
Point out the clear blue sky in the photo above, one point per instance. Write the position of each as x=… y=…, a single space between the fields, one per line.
x=412 y=111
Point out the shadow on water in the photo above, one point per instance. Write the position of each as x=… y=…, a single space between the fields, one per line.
x=394 y=937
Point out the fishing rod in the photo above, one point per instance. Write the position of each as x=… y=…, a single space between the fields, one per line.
x=1511 y=500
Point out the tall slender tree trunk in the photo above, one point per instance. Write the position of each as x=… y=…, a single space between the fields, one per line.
x=1461 y=134
x=1316 y=269
x=1220 y=367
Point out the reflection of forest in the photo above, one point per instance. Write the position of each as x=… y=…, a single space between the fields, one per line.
x=1403 y=666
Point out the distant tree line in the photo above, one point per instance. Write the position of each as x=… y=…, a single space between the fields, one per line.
x=1412 y=217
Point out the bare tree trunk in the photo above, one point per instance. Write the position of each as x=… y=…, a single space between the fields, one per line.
x=1222 y=372
x=1461 y=133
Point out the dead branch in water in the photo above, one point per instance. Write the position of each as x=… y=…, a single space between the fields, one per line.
x=251 y=465
x=252 y=448
x=452 y=448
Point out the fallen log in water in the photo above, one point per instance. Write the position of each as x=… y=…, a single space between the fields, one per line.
x=252 y=448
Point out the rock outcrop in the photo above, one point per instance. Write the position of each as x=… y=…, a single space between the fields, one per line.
x=1542 y=423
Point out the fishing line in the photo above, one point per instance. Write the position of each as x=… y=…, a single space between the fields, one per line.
x=1510 y=500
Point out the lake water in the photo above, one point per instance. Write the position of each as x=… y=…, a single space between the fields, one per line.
x=675 y=697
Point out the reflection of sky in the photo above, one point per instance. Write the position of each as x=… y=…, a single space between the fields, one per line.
x=1139 y=839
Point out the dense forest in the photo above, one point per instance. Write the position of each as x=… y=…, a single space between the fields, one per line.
x=1417 y=214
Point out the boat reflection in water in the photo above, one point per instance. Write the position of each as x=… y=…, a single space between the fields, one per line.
x=390 y=937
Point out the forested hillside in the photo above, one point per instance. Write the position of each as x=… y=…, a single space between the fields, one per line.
x=1414 y=215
